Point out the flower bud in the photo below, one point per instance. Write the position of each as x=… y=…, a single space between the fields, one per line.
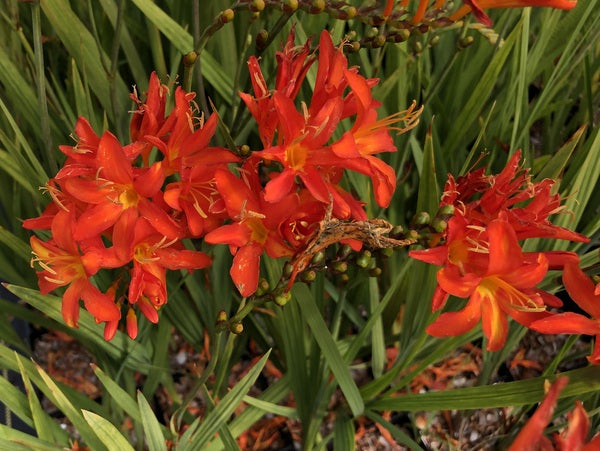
x=262 y=38
x=446 y=210
x=344 y=251
x=308 y=276
x=386 y=252
x=283 y=298
x=339 y=266
x=363 y=259
x=289 y=6
x=375 y=272
x=439 y=225
x=317 y=6
x=421 y=219
x=465 y=42
x=189 y=59
x=227 y=15
x=257 y=5
x=318 y=258
x=236 y=327
x=263 y=287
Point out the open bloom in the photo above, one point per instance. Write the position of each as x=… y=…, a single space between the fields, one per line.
x=499 y=280
x=478 y=6
x=63 y=265
x=255 y=228
x=573 y=437
x=581 y=289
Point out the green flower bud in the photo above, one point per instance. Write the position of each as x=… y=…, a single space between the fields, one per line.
x=363 y=259
x=236 y=328
x=283 y=298
x=308 y=276
x=189 y=59
x=339 y=266
x=344 y=251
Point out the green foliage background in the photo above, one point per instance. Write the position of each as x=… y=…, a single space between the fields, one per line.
x=531 y=82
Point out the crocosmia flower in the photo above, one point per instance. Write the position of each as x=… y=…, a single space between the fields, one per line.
x=482 y=259
x=581 y=289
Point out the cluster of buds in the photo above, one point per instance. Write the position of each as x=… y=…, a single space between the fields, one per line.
x=131 y=206
x=482 y=259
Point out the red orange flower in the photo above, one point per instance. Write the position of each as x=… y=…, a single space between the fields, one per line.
x=573 y=437
x=499 y=280
x=582 y=291
x=478 y=6
x=255 y=228
x=64 y=265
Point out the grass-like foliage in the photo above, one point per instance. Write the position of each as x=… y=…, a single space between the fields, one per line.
x=357 y=222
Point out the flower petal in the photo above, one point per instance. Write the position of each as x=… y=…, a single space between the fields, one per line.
x=566 y=323
x=457 y=323
x=245 y=268
x=581 y=288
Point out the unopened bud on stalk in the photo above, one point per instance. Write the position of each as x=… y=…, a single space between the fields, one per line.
x=318 y=258
x=236 y=327
x=417 y=47
x=465 y=42
x=263 y=287
x=397 y=232
x=439 y=225
x=375 y=272
x=379 y=41
x=344 y=251
x=386 y=252
x=244 y=150
x=363 y=259
x=317 y=6
x=344 y=278
x=287 y=271
x=354 y=46
x=283 y=298
x=446 y=211
x=227 y=15
x=289 y=6
x=222 y=320
x=262 y=38
x=257 y=5
x=420 y=219
x=308 y=276
x=340 y=266
x=412 y=235
x=189 y=59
